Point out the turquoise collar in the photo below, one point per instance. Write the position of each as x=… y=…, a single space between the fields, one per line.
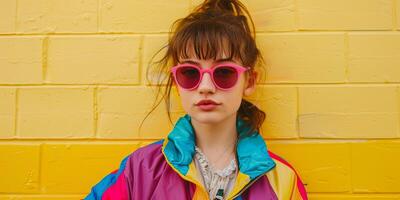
x=253 y=157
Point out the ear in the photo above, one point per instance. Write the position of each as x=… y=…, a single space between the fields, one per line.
x=250 y=84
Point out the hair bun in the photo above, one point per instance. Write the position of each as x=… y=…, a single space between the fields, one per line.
x=217 y=6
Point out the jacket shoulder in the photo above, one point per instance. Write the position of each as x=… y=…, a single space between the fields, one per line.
x=114 y=185
x=285 y=180
x=148 y=150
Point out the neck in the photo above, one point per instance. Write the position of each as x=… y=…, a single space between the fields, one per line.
x=213 y=139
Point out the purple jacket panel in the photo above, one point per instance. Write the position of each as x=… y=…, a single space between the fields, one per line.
x=148 y=173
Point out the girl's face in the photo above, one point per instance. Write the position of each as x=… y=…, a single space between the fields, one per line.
x=228 y=100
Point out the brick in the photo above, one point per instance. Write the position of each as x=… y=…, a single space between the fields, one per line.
x=21 y=60
x=397 y=2
x=272 y=15
x=64 y=164
x=353 y=197
x=102 y=59
x=47 y=16
x=121 y=110
x=375 y=167
x=152 y=44
x=343 y=112
x=374 y=57
x=50 y=112
x=280 y=106
x=19 y=168
x=140 y=16
x=7 y=16
x=297 y=58
x=322 y=166
x=7 y=112
x=345 y=15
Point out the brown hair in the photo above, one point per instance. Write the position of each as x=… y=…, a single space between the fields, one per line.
x=213 y=28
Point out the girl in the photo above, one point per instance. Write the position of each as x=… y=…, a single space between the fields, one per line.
x=215 y=150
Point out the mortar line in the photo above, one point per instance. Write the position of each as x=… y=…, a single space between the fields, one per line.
x=95 y=111
x=277 y=84
x=346 y=56
x=16 y=115
x=140 y=61
x=122 y=33
x=296 y=15
x=98 y=16
x=394 y=15
x=45 y=46
x=298 y=112
x=16 y=16
x=398 y=110
x=137 y=139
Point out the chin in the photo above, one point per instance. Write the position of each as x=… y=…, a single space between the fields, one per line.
x=208 y=117
x=213 y=117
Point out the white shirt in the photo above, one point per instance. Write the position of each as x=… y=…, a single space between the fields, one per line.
x=214 y=180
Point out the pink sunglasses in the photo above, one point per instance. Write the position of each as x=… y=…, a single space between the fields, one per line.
x=224 y=76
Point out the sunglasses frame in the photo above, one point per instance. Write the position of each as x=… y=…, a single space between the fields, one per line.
x=239 y=69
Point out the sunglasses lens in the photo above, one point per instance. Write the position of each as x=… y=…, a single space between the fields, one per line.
x=225 y=76
x=187 y=76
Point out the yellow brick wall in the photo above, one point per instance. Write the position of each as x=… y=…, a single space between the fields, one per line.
x=73 y=91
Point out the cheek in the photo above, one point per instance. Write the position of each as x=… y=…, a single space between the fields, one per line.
x=234 y=98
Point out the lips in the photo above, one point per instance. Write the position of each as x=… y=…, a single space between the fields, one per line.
x=207 y=105
x=207 y=102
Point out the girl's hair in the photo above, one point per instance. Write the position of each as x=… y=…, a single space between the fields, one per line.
x=213 y=28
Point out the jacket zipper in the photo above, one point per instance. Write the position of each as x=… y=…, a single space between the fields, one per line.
x=251 y=182
x=247 y=186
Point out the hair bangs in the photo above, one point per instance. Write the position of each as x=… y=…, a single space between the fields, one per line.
x=206 y=40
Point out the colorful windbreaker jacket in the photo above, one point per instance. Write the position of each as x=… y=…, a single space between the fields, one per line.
x=166 y=170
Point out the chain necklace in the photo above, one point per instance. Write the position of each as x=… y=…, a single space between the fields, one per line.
x=212 y=163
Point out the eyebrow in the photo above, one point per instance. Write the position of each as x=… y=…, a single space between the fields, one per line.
x=217 y=61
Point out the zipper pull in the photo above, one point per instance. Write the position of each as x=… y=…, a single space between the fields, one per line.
x=220 y=194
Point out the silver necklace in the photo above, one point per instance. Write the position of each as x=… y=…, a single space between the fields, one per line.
x=212 y=164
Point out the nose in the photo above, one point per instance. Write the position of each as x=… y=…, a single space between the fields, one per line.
x=206 y=84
